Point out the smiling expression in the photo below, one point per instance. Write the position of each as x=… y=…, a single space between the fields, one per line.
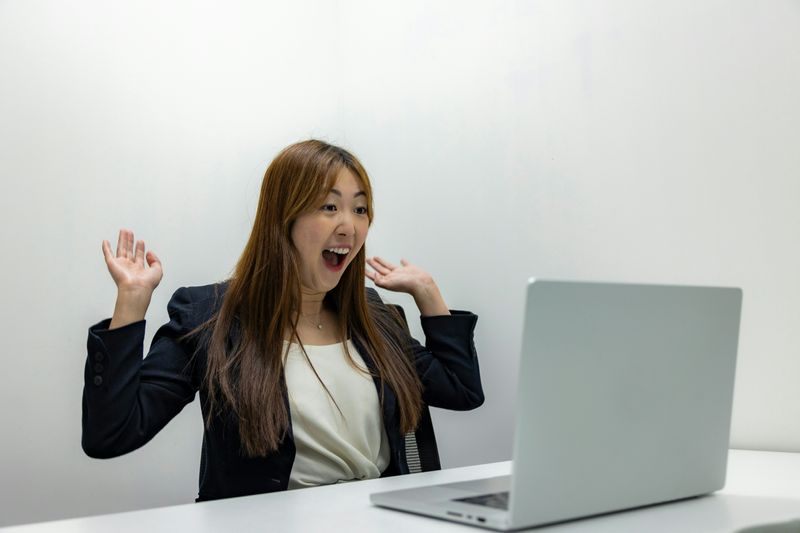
x=329 y=238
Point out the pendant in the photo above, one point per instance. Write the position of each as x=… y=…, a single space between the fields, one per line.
x=319 y=326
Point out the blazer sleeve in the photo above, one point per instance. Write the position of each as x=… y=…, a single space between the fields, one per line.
x=448 y=363
x=128 y=399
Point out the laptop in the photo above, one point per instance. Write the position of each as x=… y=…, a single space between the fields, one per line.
x=624 y=400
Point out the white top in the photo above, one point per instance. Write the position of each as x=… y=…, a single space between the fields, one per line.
x=333 y=446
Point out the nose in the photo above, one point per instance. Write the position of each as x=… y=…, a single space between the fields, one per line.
x=346 y=227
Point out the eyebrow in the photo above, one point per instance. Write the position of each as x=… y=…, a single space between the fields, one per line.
x=339 y=194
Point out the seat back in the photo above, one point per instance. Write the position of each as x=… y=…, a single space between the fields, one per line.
x=422 y=454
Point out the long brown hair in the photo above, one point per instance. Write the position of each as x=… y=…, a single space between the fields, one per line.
x=245 y=343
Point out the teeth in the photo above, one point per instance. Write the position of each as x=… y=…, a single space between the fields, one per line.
x=340 y=251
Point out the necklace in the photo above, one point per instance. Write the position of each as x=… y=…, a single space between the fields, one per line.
x=318 y=322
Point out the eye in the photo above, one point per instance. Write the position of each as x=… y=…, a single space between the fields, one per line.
x=360 y=210
x=330 y=208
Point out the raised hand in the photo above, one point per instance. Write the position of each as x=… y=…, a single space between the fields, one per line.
x=411 y=279
x=128 y=268
x=135 y=280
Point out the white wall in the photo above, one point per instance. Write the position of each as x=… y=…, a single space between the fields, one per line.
x=160 y=117
x=614 y=140
x=620 y=140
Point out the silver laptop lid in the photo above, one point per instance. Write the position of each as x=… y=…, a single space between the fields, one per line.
x=624 y=397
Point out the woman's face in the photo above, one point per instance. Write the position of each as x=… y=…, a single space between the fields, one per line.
x=331 y=236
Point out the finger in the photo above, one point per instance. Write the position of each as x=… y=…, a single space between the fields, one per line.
x=376 y=277
x=379 y=267
x=385 y=263
x=126 y=238
x=107 y=251
x=152 y=259
x=139 y=254
x=375 y=265
x=121 y=243
x=404 y=262
x=124 y=253
x=129 y=246
x=155 y=267
x=378 y=280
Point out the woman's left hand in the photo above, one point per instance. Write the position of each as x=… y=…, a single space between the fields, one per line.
x=411 y=279
x=405 y=278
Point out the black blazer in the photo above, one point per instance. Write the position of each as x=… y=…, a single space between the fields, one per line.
x=127 y=399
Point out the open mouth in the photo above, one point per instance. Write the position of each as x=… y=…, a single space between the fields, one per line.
x=335 y=257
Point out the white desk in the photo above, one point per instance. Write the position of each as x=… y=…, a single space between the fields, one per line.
x=762 y=487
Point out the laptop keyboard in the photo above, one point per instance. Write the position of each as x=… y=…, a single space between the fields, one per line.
x=498 y=500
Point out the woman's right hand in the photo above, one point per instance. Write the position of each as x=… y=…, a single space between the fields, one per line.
x=135 y=281
x=127 y=268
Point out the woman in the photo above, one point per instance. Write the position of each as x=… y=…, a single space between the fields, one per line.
x=305 y=377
